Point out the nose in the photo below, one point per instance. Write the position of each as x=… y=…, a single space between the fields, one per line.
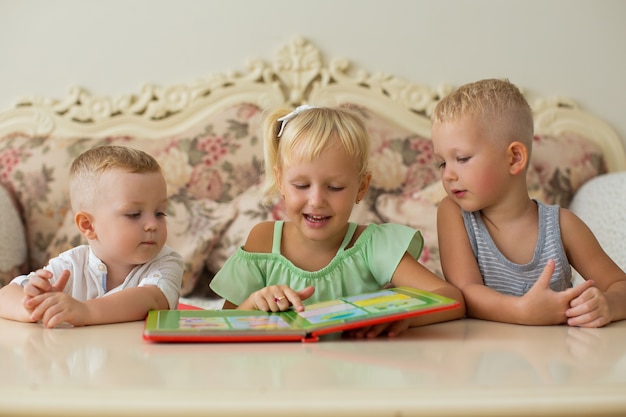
x=316 y=197
x=448 y=174
x=151 y=224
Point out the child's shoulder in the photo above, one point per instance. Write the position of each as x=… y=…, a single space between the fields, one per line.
x=77 y=253
x=260 y=238
x=569 y=221
x=448 y=205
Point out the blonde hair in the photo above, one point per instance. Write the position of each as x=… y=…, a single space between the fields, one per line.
x=87 y=168
x=498 y=104
x=307 y=134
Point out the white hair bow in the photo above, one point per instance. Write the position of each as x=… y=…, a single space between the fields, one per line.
x=291 y=115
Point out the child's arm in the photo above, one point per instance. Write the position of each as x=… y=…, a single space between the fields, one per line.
x=604 y=302
x=13 y=296
x=540 y=306
x=130 y=304
x=411 y=273
x=11 y=307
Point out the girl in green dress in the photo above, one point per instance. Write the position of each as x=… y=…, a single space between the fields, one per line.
x=316 y=159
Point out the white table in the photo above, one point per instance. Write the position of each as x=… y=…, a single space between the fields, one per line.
x=465 y=367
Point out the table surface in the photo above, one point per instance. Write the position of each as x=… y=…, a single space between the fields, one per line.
x=463 y=367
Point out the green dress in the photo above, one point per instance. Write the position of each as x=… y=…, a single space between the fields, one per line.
x=366 y=266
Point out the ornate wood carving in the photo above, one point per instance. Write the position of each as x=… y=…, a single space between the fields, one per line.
x=297 y=75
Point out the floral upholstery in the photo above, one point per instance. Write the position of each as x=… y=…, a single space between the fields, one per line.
x=13 y=249
x=559 y=166
x=204 y=168
x=214 y=173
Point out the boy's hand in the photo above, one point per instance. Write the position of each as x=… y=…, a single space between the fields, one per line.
x=543 y=306
x=277 y=298
x=589 y=309
x=55 y=308
x=39 y=283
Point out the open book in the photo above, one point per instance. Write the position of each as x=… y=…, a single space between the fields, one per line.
x=316 y=320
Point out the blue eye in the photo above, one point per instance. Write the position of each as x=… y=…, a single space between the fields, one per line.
x=160 y=214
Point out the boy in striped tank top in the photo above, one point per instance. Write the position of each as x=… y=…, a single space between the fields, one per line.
x=510 y=255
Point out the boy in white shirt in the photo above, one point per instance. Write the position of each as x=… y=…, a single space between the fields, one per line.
x=119 y=198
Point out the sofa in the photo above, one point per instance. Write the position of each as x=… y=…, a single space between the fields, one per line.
x=205 y=134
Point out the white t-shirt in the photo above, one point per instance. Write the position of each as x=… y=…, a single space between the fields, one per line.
x=88 y=274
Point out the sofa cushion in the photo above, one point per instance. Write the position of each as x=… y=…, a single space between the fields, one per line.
x=560 y=165
x=13 y=251
x=215 y=160
x=250 y=211
x=418 y=210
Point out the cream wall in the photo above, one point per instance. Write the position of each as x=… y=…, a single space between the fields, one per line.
x=568 y=48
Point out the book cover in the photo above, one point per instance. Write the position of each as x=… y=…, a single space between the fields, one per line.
x=316 y=320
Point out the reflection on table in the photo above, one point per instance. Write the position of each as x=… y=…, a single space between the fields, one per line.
x=475 y=366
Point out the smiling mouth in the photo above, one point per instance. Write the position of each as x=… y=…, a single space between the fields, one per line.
x=316 y=219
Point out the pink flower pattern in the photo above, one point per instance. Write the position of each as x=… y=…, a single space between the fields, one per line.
x=9 y=159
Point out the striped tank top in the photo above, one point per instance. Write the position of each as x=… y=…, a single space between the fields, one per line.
x=510 y=278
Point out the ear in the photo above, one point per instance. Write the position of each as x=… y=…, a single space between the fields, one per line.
x=518 y=157
x=364 y=186
x=84 y=223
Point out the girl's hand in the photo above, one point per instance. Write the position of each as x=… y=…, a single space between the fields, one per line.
x=277 y=298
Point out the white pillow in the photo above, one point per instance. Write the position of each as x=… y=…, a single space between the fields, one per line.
x=601 y=204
